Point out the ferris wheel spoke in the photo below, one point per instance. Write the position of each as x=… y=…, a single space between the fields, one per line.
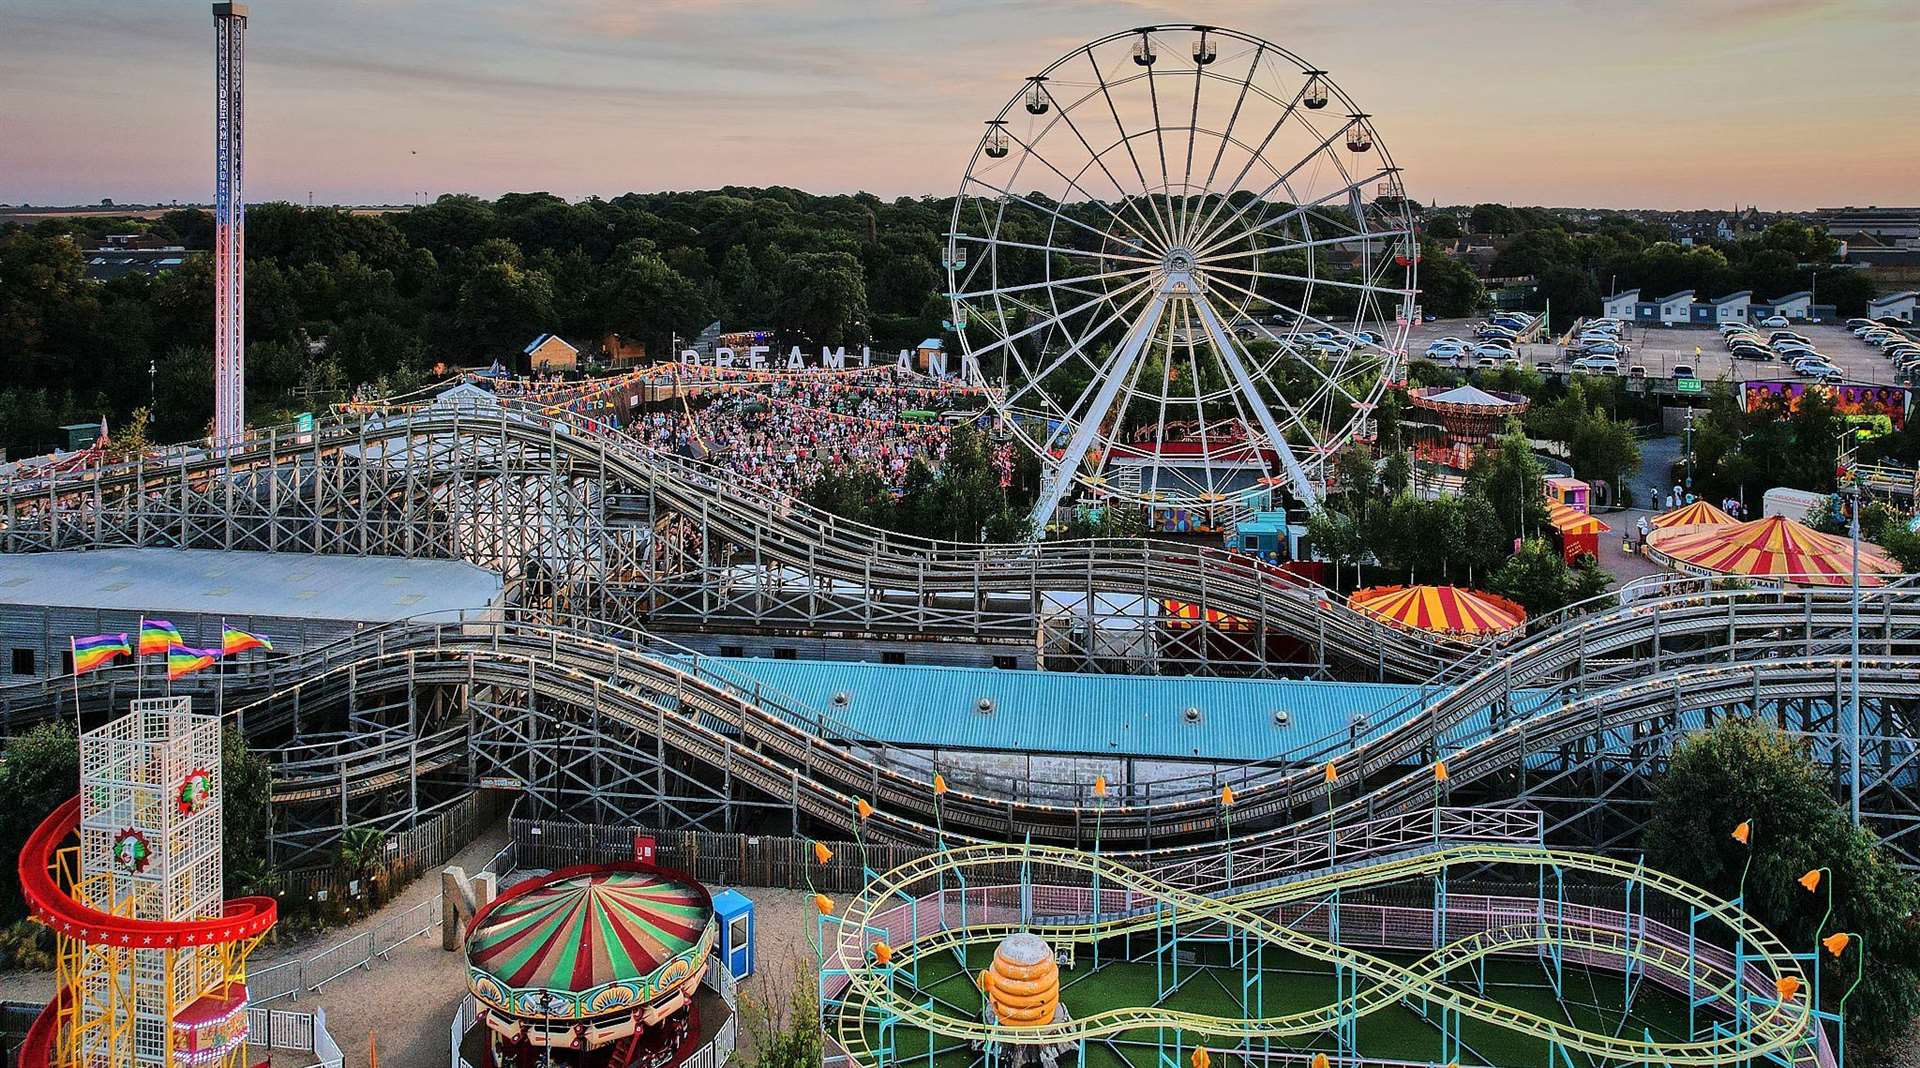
x=1008 y=339
x=1126 y=141
x=1099 y=158
x=1279 y=180
x=1160 y=143
x=1216 y=242
x=1226 y=138
x=1074 y=185
x=1288 y=346
x=1055 y=213
x=1036 y=382
x=1229 y=353
x=1050 y=283
x=1214 y=272
x=1300 y=246
x=1057 y=250
x=1108 y=387
x=1207 y=226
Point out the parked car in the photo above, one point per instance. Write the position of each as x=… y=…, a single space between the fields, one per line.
x=1682 y=370
x=1453 y=348
x=1637 y=371
x=1606 y=348
x=1774 y=320
x=1545 y=367
x=1750 y=352
x=1486 y=363
x=1494 y=353
x=1600 y=365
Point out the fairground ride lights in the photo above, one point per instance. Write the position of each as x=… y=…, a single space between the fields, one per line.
x=834 y=359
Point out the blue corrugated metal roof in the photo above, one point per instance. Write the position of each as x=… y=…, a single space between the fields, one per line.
x=1069 y=713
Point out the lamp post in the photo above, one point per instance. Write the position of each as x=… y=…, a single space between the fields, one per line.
x=1853 y=689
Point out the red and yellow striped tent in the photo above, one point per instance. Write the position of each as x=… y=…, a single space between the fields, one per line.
x=1697 y=514
x=1775 y=548
x=1579 y=532
x=1446 y=610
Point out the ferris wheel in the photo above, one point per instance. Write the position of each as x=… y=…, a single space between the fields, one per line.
x=1184 y=263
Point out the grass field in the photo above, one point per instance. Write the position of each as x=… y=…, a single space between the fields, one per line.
x=1291 y=983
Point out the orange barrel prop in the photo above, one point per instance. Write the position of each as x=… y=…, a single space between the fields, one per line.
x=1023 y=984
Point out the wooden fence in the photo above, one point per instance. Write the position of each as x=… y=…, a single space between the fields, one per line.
x=715 y=859
x=404 y=857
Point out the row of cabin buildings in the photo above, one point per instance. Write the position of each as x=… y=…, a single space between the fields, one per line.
x=1685 y=309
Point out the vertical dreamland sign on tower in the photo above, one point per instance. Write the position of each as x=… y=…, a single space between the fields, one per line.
x=150 y=850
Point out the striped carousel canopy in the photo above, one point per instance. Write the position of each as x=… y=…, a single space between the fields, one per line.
x=1697 y=514
x=1573 y=521
x=583 y=942
x=1439 y=609
x=1772 y=548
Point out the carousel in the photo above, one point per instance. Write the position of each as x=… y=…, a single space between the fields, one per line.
x=1448 y=611
x=1771 y=550
x=1697 y=514
x=597 y=966
x=1469 y=418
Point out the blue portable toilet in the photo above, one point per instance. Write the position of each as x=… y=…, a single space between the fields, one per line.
x=735 y=912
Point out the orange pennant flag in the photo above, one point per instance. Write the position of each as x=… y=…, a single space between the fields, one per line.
x=882 y=953
x=1743 y=833
x=1332 y=775
x=1787 y=986
x=1439 y=771
x=861 y=808
x=1226 y=796
x=1099 y=786
x=939 y=784
x=821 y=853
x=1811 y=880
x=824 y=904
x=1836 y=943
x=1200 y=1058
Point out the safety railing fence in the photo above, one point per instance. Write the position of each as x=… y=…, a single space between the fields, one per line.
x=292 y=978
x=778 y=861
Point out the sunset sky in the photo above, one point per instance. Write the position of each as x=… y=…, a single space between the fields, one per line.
x=1787 y=104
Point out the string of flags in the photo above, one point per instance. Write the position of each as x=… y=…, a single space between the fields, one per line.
x=158 y=637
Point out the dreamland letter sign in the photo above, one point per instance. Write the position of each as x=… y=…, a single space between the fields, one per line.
x=836 y=359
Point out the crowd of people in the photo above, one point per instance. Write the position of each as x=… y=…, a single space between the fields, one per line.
x=785 y=434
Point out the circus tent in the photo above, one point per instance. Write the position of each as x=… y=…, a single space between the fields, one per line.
x=1697 y=514
x=1775 y=548
x=1447 y=610
x=1579 y=532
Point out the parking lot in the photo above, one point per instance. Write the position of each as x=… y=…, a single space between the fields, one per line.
x=1658 y=348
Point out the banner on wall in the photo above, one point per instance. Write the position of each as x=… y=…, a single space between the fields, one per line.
x=1871 y=403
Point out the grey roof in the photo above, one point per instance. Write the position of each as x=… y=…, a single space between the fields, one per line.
x=1893 y=298
x=1625 y=294
x=1470 y=395
x=368 y=589
x=1793 y=296
x=1745 y=294
x=1676 y=296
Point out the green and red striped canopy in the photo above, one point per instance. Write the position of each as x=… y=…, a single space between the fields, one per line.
x=579 y=930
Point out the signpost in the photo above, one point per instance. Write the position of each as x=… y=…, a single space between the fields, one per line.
x=1687 y=385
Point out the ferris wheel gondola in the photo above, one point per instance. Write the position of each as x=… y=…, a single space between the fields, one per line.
x=1164 y=227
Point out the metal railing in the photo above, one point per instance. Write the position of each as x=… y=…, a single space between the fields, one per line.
x=291 y=978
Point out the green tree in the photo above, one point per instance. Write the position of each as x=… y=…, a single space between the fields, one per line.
x=1511 y=479
x=823 y=299
x=246 y=799
x=39 y=772
x=1539 y=579
x=1448 y=288
x=1740 y=770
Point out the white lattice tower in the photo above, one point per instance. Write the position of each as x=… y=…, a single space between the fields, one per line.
x=150 y=837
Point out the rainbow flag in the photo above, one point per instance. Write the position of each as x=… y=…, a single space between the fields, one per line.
x=158 y=636
x=239 y=641
x=98 y=651
x=185 y=660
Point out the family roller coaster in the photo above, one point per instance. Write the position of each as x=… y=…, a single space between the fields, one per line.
x=1460 y=942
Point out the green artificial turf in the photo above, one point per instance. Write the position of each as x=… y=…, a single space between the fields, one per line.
x=1290 y=983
